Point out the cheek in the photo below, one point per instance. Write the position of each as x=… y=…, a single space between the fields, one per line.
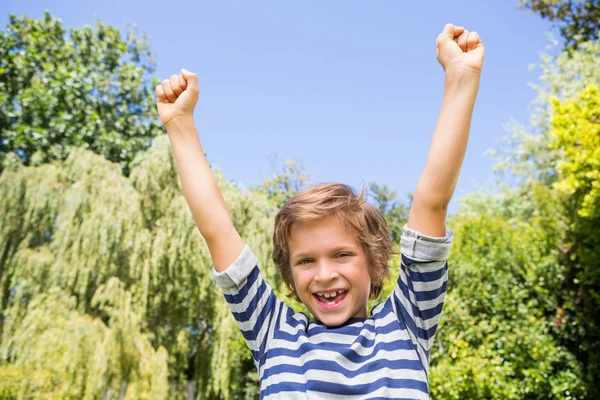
x=302 y=282
x=301 y=279
x=362 y=278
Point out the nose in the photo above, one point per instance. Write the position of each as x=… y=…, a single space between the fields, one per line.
x=326 y=271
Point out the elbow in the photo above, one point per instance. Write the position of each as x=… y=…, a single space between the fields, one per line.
x=216 y=230
x=432 y=201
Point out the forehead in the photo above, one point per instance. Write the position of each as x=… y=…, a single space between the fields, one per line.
x=321 y=234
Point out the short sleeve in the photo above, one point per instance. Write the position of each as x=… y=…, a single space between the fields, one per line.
x=250 y=299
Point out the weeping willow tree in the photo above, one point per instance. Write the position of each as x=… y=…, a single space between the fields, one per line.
x=106 y=285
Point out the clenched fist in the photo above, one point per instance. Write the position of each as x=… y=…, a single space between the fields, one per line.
x=459 y=51
x=177 y=96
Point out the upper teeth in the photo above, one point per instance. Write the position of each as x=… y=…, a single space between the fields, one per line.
x=332 y=294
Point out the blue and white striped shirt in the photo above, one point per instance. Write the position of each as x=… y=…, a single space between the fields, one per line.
x=380 y=357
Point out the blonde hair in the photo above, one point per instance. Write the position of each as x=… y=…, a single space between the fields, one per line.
x=337 y=200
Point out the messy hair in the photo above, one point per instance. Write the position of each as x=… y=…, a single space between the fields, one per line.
x=337 y=200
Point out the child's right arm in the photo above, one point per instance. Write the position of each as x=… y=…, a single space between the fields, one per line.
x=250 y=298
x=176 y=99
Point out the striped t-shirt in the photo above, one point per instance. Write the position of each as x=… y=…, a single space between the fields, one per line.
x=384 y=356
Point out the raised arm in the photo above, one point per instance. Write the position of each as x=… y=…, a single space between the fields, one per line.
x=176 y=99
x=460 y=53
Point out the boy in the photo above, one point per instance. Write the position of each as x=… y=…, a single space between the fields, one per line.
x=332 y=248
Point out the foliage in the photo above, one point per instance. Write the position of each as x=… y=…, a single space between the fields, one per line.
x=121 y=262
x=575 y=131
x=73 y=356
x=286 y=183
x=497 y=341
x=579 y=20
x=576 y=134
x=560 y=151
x=563 y=75
x=10 y=377
x=395 y=211
x=88 y=88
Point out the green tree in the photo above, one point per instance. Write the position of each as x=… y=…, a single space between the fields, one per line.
x=578 y=20
x=496 y=336
x=114 y=267
x=575 y=129
x=559 y=151
x=527 y=155
x=286 y=183
x=89 y=88
x=394 y=210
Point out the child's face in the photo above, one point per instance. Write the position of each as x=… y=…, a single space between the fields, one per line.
x=326 y=257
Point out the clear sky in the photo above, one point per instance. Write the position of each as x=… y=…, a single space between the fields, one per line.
x=352 y=89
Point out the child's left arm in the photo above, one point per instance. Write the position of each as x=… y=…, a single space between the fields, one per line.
x=460 y=53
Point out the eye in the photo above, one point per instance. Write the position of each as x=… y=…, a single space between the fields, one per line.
x=304 y=262
x=344 y=255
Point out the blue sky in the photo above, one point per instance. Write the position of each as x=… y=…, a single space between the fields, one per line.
x=352 y=89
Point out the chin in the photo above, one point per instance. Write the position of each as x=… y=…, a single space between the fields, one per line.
x=334 y=320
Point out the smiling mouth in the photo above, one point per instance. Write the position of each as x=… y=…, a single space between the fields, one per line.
x=331 y=301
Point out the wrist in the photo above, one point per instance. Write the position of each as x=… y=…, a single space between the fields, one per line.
x=462 y=77
x=181 y=125
x=465 y=83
